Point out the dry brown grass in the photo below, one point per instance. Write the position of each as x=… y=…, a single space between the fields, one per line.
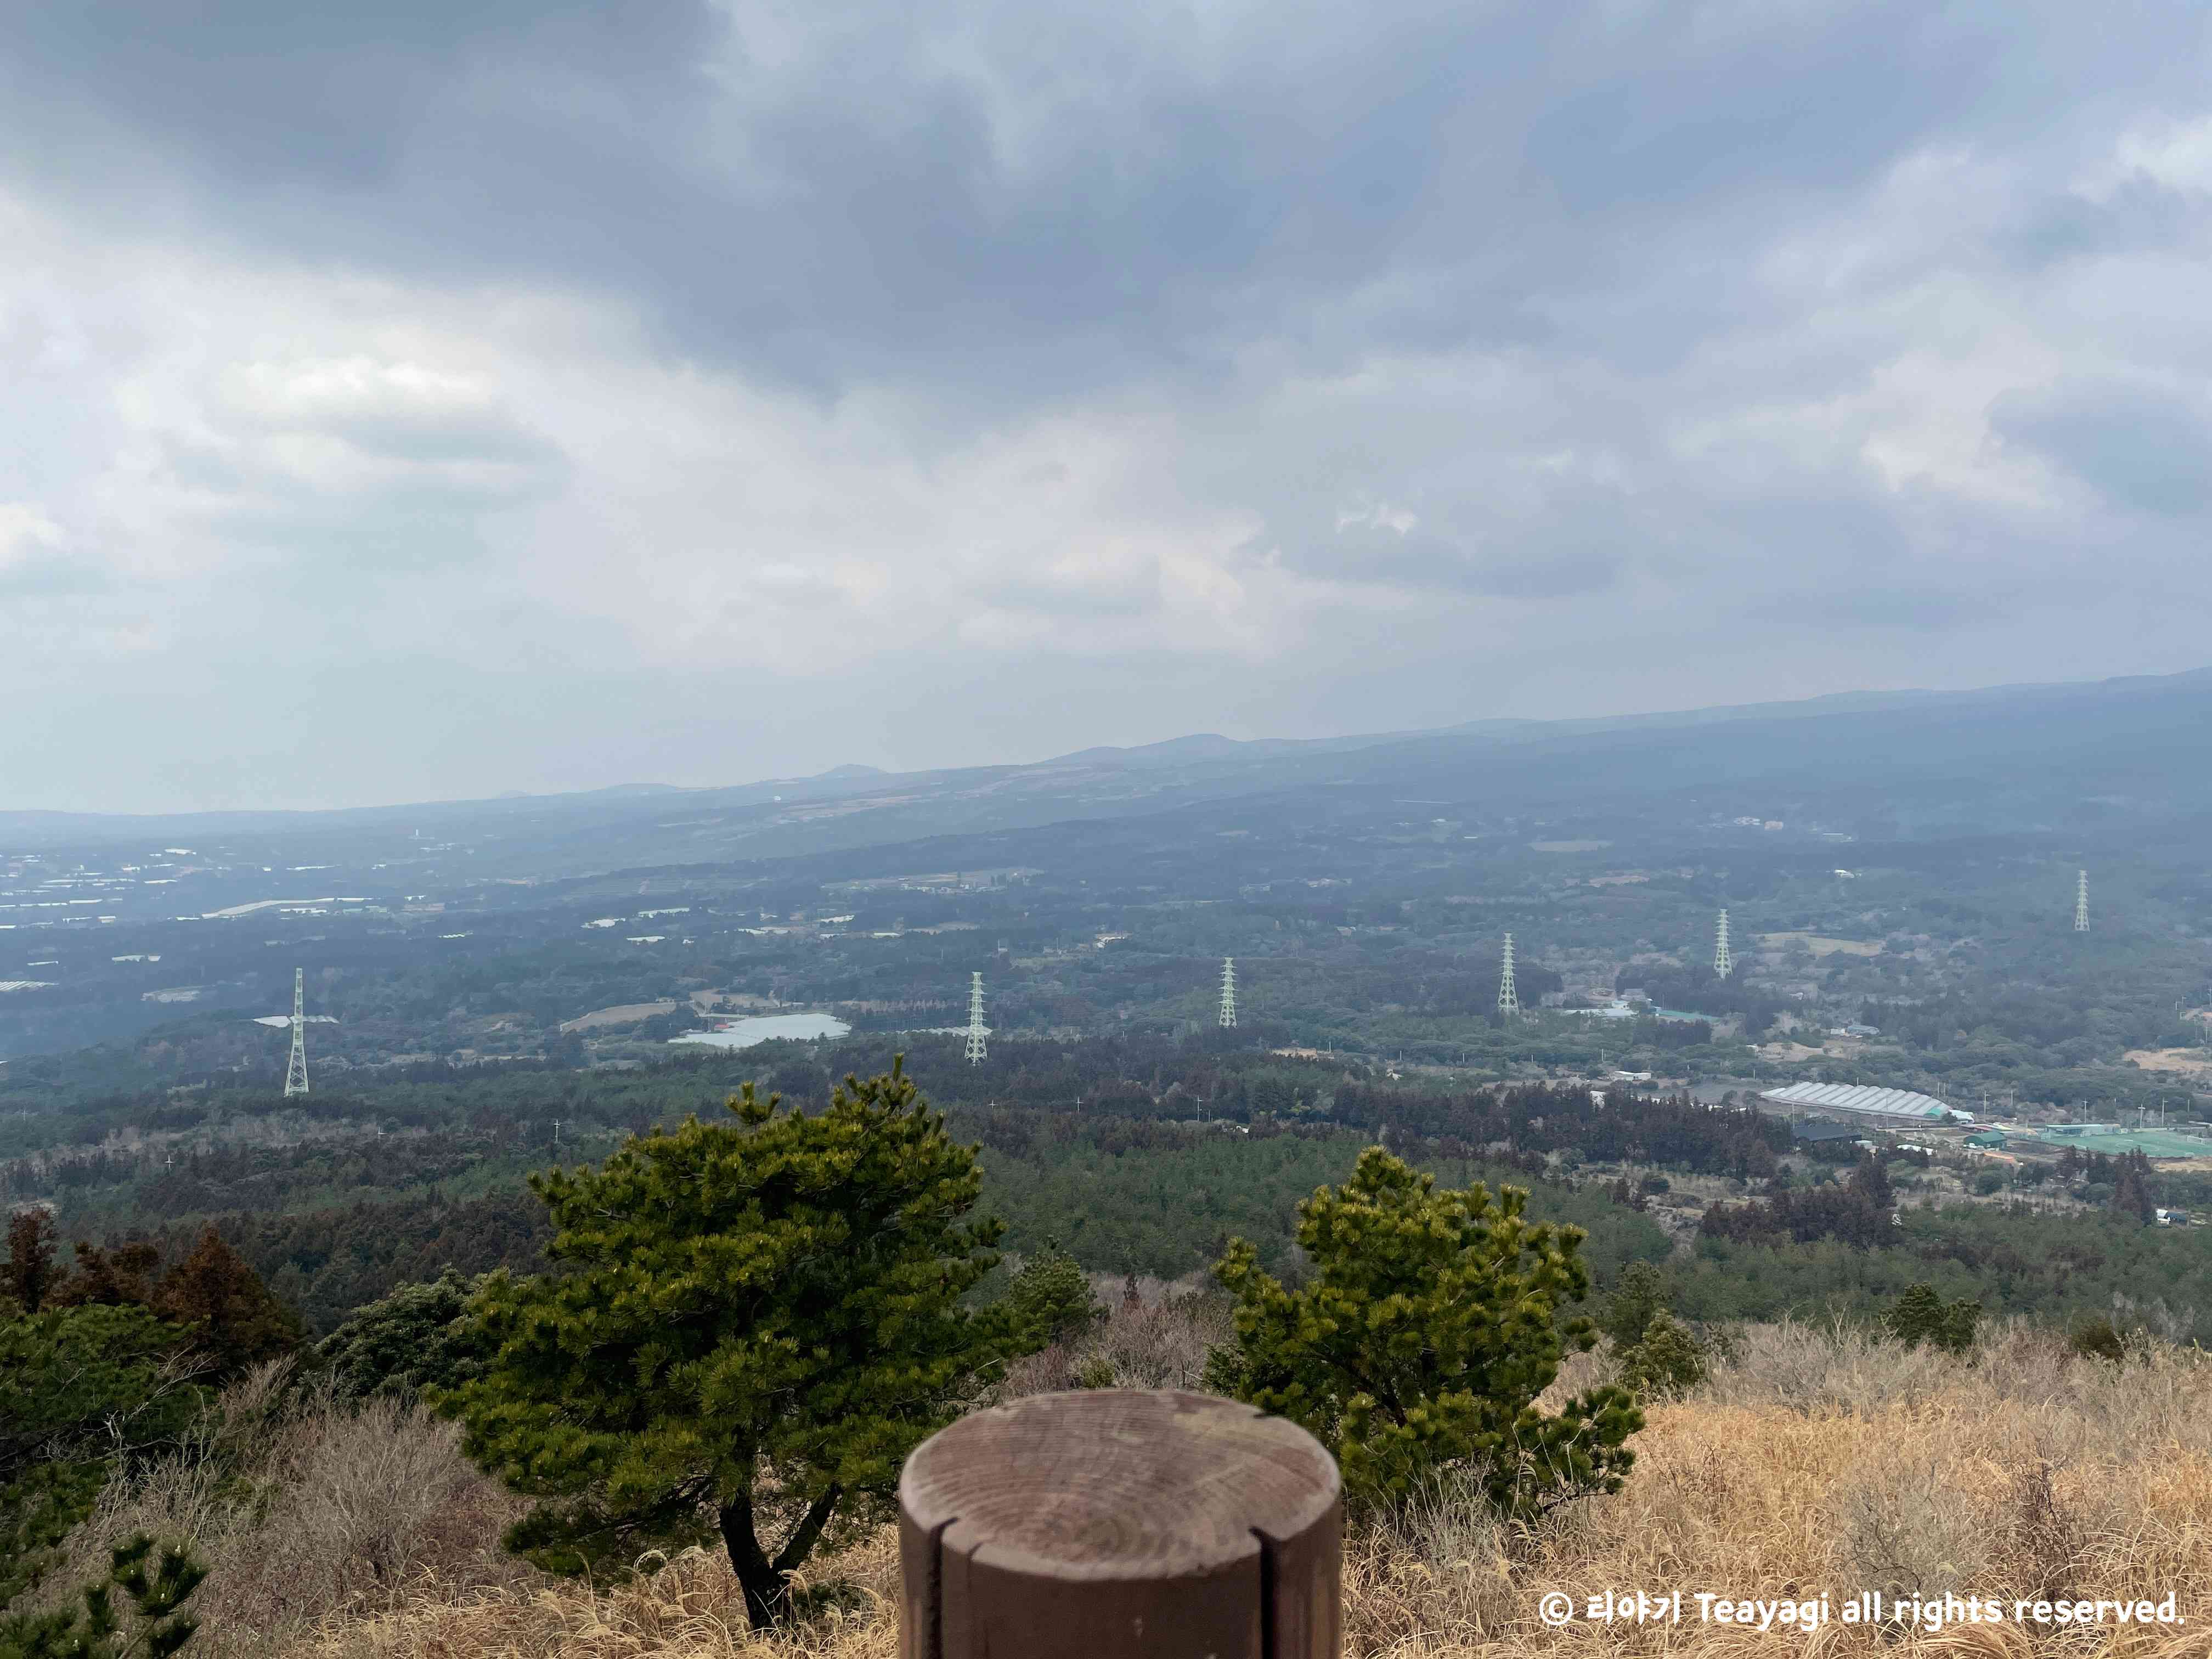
x=691 y=1608
x=1813 y=1461
x=306 y=1507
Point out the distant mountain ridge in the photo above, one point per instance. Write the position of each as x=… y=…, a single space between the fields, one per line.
x=1083 y=782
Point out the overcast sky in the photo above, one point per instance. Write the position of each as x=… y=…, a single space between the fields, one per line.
x=442 y=397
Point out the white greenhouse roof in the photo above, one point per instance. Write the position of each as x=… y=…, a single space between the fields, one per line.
x=1862 y=1098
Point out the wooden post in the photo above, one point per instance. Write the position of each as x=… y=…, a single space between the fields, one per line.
x=1120 y=1523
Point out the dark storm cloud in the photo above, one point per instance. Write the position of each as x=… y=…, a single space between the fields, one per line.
x=997 y=196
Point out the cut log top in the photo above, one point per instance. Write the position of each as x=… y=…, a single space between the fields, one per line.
x=1119 y=1484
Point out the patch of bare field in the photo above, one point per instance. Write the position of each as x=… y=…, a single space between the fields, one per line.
x=1821 y=946
x=1789 y=1051
x=1813 y=1461
x=628 y=1014
x=2188 y=1061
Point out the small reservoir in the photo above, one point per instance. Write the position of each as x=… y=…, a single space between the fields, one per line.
x=766 y=1028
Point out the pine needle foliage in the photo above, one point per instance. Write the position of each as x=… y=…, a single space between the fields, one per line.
x=1433 y=1320
x=1640 y=1297
x=1665 y=1362
x=750 y=1326
x=80 y=1389
x=1052 y=1297
x=420 y=1337
x=1922 y=1316
x=154 y=1584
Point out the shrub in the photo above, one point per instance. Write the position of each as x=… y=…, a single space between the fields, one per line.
x=2098 y=1338
x=1430 y=1324
x=1921 y=1315
x=420 y=1337
x=1665 y=1362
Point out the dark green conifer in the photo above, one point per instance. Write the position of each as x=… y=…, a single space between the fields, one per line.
x=1922 y=1316
x=29 y=1276
x=80 y=1389
x=1431 y=1322
x=748 y=1326
x=1639 y=1296
x=1052 y=1298
x=1665 y=1361
x=419 y=1337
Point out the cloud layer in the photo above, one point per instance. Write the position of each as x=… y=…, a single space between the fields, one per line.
x=438 y=400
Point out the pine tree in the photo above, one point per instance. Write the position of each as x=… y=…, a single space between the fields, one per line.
x=154 y=1586
x=120 y=1278
x=2133 y=1195
x=1430 y=1324
x=1638 y=1298
x=1922 y=1316
x=1869 y=1182
x=233 y=1319
x=749 y=1327
x=1664 y=1361
x=29 y=1276
x=1052 y=1297
x=80 y=1388
x=420 y=1337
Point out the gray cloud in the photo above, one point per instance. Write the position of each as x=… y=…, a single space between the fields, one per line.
x=554 y=357
x=832 y=195
x=2142 y=448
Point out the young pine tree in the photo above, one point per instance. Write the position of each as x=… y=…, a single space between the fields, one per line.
x=1430 y=1322
x=1921 y=1315
x=1640 y=1297
x=29 y=1276
x=1052 y=1297
x=751 y=1325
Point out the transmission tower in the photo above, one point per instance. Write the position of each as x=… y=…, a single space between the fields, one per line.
x=1509 y=999
x=295 y=1074
x=2081 y=902
x=1724 y=964
x=1228 y=990
x=976 y=1049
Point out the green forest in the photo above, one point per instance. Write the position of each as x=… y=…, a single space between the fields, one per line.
x=1142 y=1155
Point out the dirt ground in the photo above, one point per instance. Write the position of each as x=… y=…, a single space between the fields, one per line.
x=2186 y=1062
x=628 y=1014
x=1820 y=946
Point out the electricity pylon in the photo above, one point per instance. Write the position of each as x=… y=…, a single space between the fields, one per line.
x=977 y=1049
x=2081 y=902
x=1724 y=964
x=295 y=1074
x=1228 y=990
x=1509 y=999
